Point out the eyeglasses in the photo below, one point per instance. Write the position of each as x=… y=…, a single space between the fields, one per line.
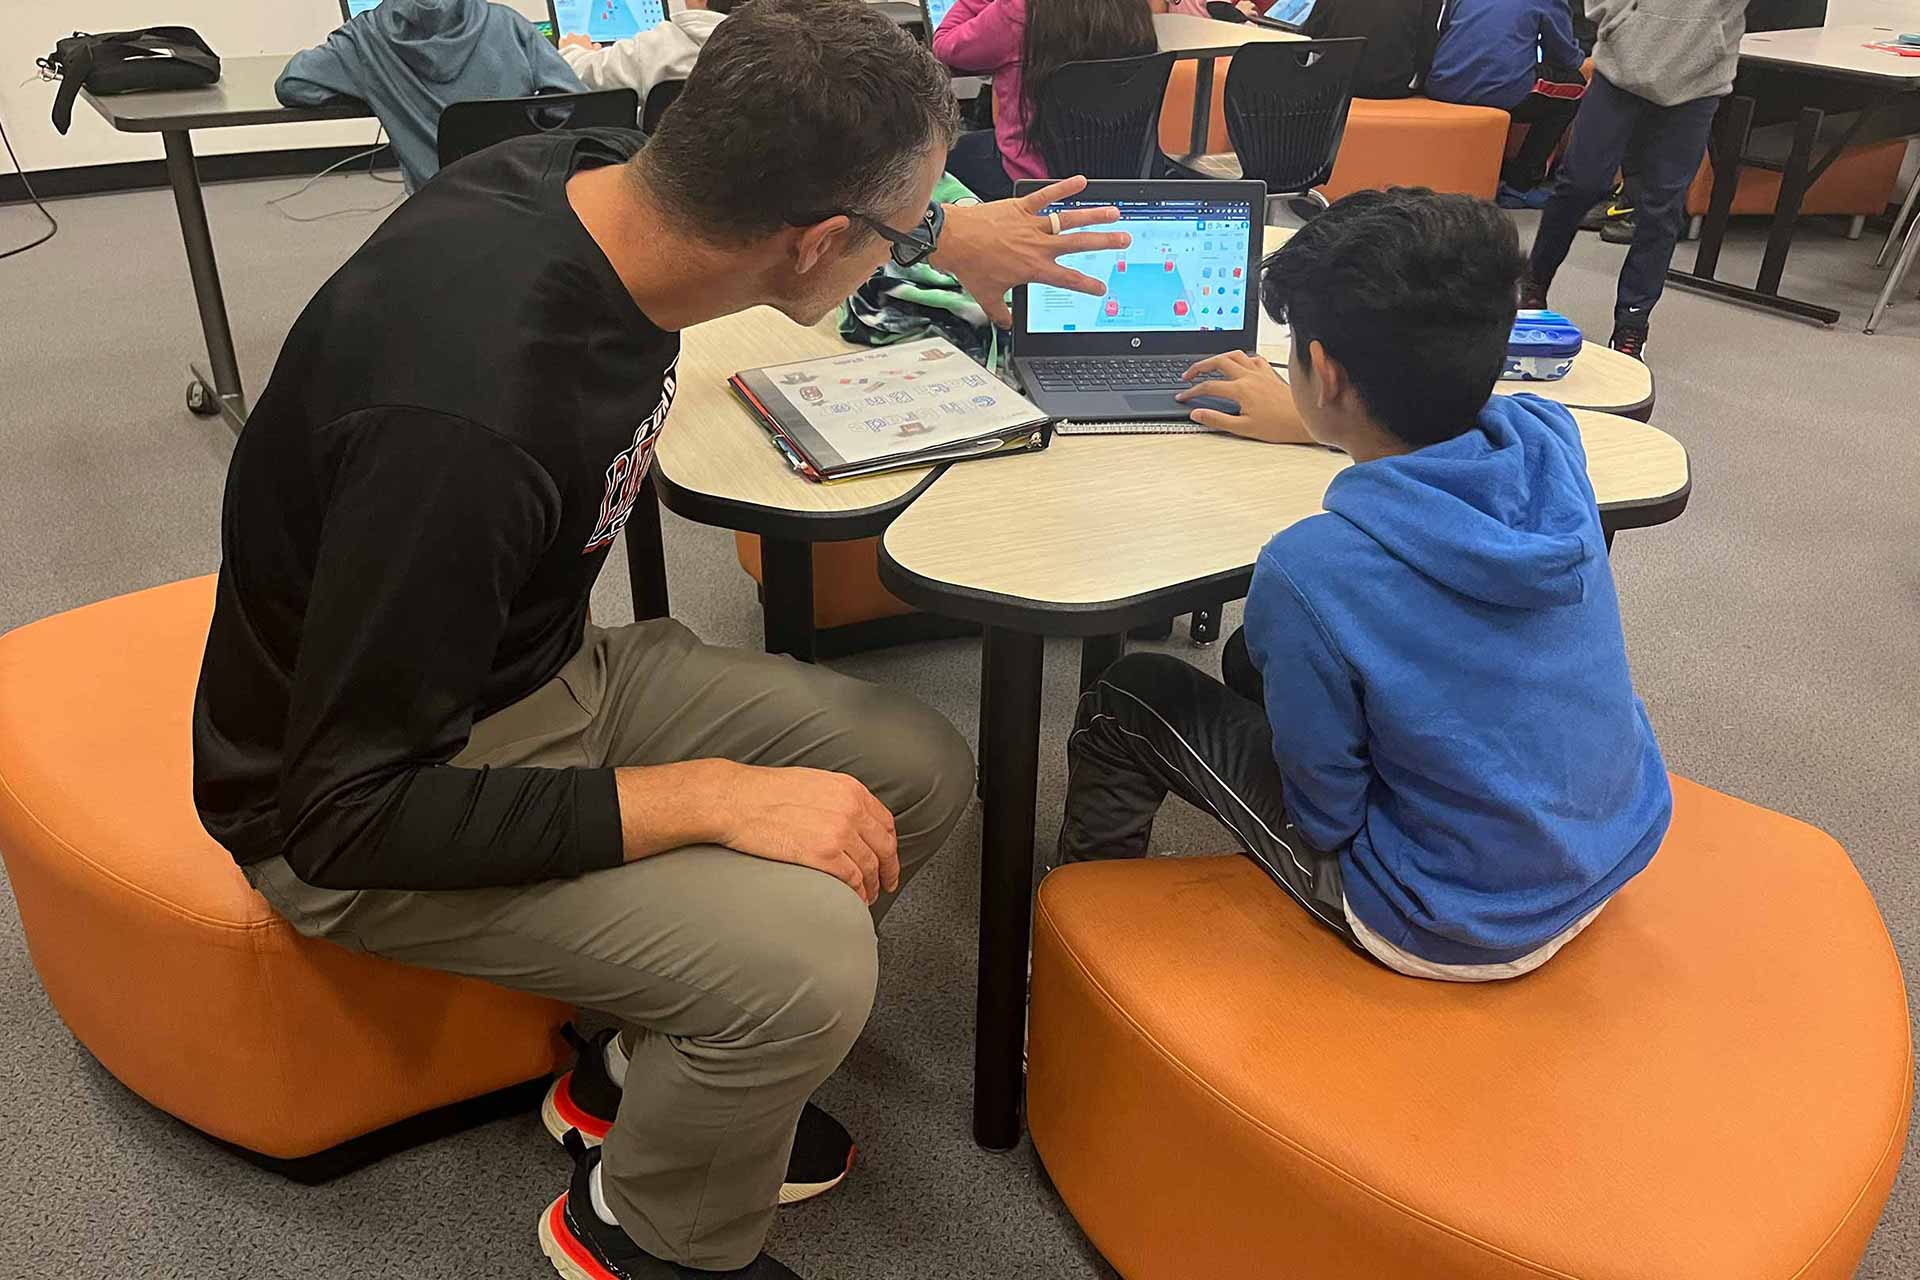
x=910 y=248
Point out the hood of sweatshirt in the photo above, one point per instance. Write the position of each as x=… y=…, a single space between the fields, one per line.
x=1500 y=513
x=434 y=38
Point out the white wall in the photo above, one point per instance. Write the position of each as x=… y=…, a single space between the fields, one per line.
x=28 y=29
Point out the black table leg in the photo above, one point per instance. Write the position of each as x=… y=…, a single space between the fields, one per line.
x=1732 y=124
x=986 y=720
x=1793 y=191
x=786 y=588
x=1011 y=697
x=1203 y=628
x=1097 y=653
x=646 y=557
x=224 y=396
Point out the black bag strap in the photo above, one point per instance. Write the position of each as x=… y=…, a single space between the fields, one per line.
x=74 y=59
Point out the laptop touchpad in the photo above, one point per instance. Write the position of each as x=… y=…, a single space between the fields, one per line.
x=1157 y=402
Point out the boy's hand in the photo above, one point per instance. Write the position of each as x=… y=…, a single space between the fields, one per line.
x=1264 y=400
x=575 y=41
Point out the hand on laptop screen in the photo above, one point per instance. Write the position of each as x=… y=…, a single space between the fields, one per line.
x=990 y=248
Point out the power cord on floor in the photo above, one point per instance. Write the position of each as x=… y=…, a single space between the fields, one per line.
x=369 y=156
x=53 y=225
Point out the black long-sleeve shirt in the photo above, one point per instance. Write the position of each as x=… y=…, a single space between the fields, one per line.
x=453 y=436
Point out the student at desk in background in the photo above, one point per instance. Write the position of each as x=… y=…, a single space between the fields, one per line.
x=1021 y=43
x=639 y=62
x=409 y=59
x=1428 y=735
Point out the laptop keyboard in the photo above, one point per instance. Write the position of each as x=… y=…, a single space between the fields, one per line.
x=1114 y=373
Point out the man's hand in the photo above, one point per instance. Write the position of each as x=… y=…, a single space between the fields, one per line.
x=990 y=248
x=809 y=817
x=575 y=41
x=1266 y=410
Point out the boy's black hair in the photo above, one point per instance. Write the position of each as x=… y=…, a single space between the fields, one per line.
x=1413 y=293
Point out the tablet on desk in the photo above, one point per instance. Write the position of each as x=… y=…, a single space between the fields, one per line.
x=1287 y=15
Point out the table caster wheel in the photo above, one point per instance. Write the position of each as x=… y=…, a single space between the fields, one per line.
x=201 y=401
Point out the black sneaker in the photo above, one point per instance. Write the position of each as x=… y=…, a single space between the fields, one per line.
x=582 y=1246
x=1615 y=205
x=1617 y=230
x=1533 y=295
x=585 y=1100
x=1630 y=340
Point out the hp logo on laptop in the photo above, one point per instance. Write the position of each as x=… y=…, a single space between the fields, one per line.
x=1136 y=342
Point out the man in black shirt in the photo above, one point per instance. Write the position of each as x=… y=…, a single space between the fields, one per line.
x=414 y=740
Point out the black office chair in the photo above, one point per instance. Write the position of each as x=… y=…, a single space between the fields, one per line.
x=1286 y=106
x=1102 y=118
x=467 y=127
x=659 y=98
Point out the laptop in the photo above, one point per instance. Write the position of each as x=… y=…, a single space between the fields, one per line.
x=1187 y=288
x=538 y=12
x=1285 y=15
x=605 y=22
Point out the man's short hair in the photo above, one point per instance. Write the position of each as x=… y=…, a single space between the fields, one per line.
x=797 y=110
x=1413 y=293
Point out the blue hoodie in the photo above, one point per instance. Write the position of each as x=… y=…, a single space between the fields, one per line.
x=1490 y=51
x=409 y=59
x=1447 y=684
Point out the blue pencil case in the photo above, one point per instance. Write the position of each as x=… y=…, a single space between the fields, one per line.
x=1542 y=347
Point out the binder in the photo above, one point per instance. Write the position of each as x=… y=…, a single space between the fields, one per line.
x=913 y=404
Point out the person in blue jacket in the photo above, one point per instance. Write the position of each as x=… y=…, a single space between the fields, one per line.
x=1520 y=56
x=410 y=59
x=1429 y=736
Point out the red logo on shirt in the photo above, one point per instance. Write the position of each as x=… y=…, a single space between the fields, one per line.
x=628 y=469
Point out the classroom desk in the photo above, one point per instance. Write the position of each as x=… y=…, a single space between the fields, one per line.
x=1807 y=73
x=244 y=96
x=715 y=464
x=1191 y=38
x=1092 y=537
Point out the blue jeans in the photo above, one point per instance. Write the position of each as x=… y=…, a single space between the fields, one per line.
x=975 y=160
x=1661 y=147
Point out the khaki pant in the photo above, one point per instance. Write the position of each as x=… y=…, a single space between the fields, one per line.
x=742 y=983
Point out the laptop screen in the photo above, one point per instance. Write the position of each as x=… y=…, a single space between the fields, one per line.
x=1186 y=270
x=1292 y=12
x=605 y=21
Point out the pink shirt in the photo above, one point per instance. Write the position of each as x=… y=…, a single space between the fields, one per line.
x=984 y=37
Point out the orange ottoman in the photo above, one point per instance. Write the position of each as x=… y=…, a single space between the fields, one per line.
x=160 y=957
x=1713 y=1081
x=846 y=580
x=1417 y=142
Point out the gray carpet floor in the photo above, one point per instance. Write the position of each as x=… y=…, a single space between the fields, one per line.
x=1775 y=633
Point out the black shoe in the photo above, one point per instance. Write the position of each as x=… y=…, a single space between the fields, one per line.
x=1615 y=205
x=582 y=1246
x=1617 y=230
x=585 y=1100
x=1630 y=340
x=1533 y=295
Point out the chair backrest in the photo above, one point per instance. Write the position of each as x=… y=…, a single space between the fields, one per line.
x=1286 y=107
x=659 y=98
x=467 y=127
x=1103 y=118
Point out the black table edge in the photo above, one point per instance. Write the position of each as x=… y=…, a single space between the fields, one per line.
x=776 y=522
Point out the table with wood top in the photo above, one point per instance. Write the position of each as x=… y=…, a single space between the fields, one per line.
x=1090 y=538
x=1801 y=75
x=1189 y=37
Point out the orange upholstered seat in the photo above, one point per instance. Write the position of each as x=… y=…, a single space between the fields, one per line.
x=1713 y=1081
x=1860 y=181
x=156 y=951
x=846 y=580
x=1417 y=142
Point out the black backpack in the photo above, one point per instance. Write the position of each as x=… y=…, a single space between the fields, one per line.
x=125 y=61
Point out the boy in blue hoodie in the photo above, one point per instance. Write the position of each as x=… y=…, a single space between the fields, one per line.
x=410 y=59
x=1452 y=771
